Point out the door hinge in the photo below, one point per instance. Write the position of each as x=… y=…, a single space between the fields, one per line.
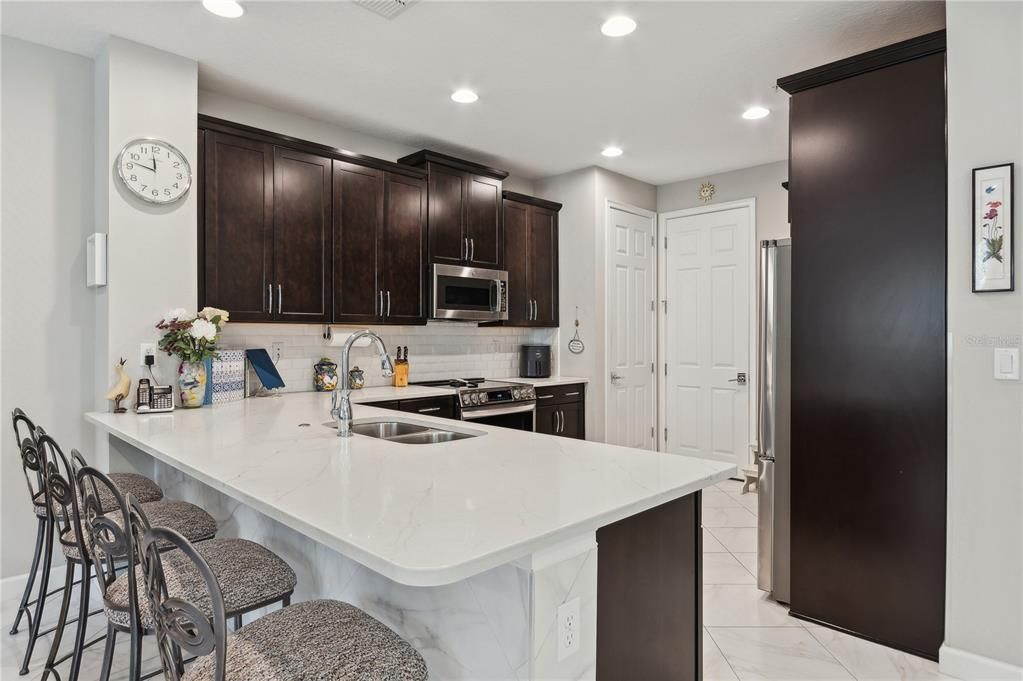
x=665 y=436
x=653 y=305
x=653 y=240
x=665 y=304
x=666 y=242
x=652 y=370
x=652 y=432
x=665 y=368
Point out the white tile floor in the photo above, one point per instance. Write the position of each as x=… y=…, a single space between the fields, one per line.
x=747 y=636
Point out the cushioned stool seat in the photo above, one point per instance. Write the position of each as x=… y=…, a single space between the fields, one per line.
x=144 y=489
x=249 y=576
x=188 y=519
x=323 y=640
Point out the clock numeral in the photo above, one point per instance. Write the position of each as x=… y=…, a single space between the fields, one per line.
x=180 y=176
x=176 y=186
x=177 y=164
x=134 y=178
x=134 y=157
x=129 y=166
x=144 y=187
x=166 y=192
x=156 y=193
x=156 y=150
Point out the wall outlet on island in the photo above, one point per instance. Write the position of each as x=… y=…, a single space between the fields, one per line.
x=568 y=629
x=276 y=350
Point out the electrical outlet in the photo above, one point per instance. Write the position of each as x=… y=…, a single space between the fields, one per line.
x=146 y=349
x=276 y=349
x=568 y=629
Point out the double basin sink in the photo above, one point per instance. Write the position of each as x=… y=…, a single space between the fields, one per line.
x=405 y=432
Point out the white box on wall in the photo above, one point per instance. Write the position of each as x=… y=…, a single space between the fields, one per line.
x=96 y=260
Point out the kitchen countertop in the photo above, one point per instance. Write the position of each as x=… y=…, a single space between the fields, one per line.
x=387 y=393
x=421 y=515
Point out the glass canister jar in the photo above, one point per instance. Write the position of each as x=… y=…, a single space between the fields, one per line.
x=325 y=375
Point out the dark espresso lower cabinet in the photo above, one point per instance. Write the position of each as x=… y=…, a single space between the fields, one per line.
x=561 y=410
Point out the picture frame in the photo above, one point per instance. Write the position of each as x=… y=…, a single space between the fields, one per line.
x=993 y=240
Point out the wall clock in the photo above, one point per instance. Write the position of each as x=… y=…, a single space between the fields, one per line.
x=154 y=170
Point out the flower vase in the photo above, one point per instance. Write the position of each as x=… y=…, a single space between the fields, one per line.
x=192 y=384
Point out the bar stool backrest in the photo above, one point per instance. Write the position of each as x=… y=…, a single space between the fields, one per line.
x=109 y=539
x=61 y=492
x=180 y=625
x=24 y=435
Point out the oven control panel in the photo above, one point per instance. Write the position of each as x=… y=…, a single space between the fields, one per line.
x=502 y=395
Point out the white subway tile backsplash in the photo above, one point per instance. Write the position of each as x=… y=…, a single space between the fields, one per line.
x=437 y=350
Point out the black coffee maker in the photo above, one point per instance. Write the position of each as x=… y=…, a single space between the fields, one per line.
x=535 y=361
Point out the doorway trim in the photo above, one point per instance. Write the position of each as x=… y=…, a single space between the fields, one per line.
x=754 y=278
x=609 y=205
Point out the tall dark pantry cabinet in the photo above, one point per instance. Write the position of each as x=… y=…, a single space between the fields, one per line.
x=867 y=192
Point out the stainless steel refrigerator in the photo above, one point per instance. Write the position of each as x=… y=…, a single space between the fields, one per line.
x=773 y=422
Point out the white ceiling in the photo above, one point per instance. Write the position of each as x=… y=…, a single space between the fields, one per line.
x=553 y=90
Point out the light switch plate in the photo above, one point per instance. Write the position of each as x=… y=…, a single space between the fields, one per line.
x=1007 y=364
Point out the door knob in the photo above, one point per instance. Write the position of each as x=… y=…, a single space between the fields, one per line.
x=740 y=378
x=616 y=377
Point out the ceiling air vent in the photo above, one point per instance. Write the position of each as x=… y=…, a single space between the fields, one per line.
x=388 y=9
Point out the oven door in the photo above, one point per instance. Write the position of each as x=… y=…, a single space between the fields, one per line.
x=516 y=416
x=469 y=293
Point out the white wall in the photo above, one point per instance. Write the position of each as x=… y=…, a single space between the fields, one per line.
x=141 y=92
x=583 y=270
x=46 y=366
x=322 y=132
x=984 y=596
x=761 y=182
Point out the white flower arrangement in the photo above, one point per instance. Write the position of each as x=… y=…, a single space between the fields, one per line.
x=192 y=337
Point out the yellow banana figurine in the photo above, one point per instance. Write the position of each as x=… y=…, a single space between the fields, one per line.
x=121 y=389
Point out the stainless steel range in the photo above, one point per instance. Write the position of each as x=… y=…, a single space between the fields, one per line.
x=498 y=403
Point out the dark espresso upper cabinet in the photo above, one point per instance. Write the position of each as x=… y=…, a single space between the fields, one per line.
x=302 y=191
x=236 y=226
x=465 y=218
x=379 y=246
x=531 y=256
x=295 y=231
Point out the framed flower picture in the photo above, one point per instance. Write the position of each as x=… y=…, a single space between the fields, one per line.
x=992 y=229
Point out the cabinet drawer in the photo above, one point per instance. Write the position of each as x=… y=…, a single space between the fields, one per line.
x=560 y=394
x=444 y=407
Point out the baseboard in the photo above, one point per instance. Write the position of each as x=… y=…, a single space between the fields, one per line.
x=968 y=666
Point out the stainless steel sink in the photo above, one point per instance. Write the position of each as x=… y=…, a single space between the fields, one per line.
x=386 y=430
x=405 y=432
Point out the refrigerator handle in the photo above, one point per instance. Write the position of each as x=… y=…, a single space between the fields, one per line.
x=765 y=372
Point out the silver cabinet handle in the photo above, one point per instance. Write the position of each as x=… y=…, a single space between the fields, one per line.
x=381 y=297
x=465 y=245
x=280 y=299
x=561 y=421
x=572 y=394
x=388 y=304
x=472 y=247
x=427 y=410
x=270 y=293
x=544 y=397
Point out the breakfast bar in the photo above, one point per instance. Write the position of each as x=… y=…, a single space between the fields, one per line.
x=482 y=551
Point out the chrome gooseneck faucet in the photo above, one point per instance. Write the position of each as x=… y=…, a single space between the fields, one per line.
x=341 y=404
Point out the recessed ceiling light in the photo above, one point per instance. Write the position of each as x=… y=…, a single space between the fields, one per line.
x=464 y=96
x=224 y=8
x=755 y=112
x=617 y=26
x=611 y=152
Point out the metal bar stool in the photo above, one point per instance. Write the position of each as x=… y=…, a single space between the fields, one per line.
x=32 y=610
x=323 y=640
x=253 y=576
x=64 y=501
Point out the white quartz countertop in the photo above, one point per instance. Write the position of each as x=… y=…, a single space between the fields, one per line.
x=422 y=515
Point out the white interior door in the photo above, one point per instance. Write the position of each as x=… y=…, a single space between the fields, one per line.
x=706 y=342
x=631 y=414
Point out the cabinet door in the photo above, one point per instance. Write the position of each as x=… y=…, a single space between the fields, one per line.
x=483 y=223
x=447 y=242
x=573 y=420
x=546 y=419
x=358 y=216
x=543 y=265
x=403 y=250
x=238 y=226
x=516 y=257
x=301 y=236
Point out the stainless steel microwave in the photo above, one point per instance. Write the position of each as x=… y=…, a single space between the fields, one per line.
x=469 y=293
